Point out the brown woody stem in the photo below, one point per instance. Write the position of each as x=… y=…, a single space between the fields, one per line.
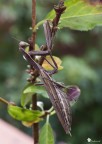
x=35 y=126
x=4 y=101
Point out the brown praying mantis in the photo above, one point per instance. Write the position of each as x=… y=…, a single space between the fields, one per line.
x=59 y=95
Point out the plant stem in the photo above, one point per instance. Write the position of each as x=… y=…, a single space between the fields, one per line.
x=35 y=126
x=33 y=21
x=4 y=101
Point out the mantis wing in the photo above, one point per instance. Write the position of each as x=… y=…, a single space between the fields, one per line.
x=59 y=101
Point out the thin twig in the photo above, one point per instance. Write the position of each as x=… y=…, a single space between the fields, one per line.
x=4 y=101
x=34 y=97
x=35 y=126
x=33 y=21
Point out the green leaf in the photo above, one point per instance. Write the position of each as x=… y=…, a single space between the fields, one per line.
x=22 y=114
x=36 y=89
x=32 y=89
x=47 y=66
x=25 y=99
x=46 y=134
x=79 y=15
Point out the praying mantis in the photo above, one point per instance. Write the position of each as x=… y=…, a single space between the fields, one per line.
x=60 y=99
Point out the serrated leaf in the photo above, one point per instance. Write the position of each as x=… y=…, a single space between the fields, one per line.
x=79 y=15
x=46 y=134
x=47 y=66
x=30 y=89
x=22 y=114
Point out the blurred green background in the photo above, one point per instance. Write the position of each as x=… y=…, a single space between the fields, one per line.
x=81 y=53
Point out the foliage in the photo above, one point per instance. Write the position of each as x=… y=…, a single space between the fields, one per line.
x=79 y=15
x=29 y=90
x=85 y=71
x=46 y=134
x=23 y=114
x=46 y=66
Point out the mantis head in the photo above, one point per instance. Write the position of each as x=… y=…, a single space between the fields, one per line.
x=23 y=44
